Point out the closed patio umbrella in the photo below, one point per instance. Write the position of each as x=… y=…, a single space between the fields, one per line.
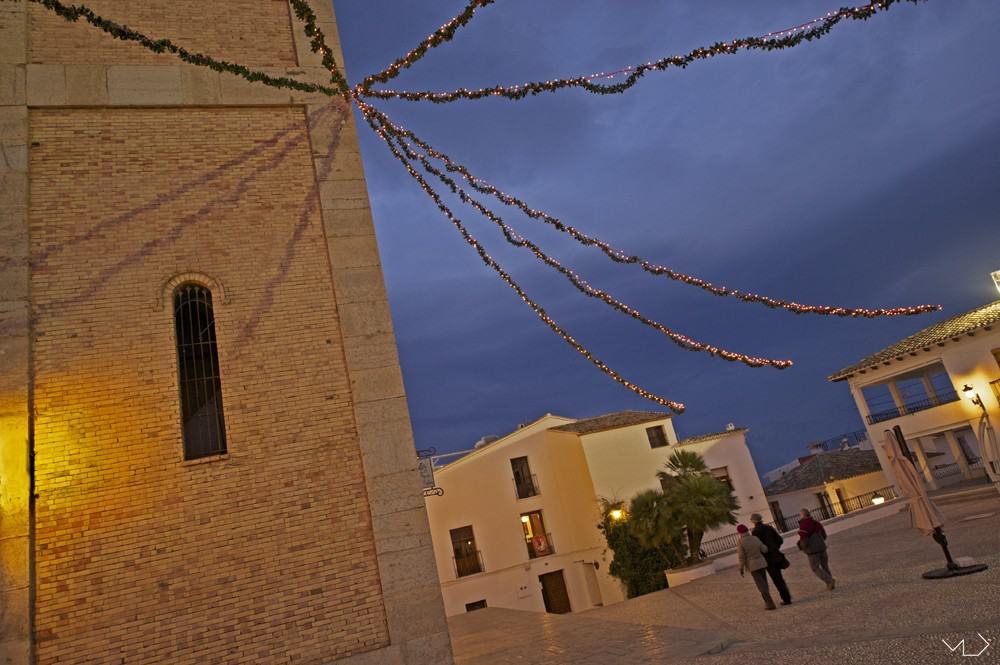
x=924 y=515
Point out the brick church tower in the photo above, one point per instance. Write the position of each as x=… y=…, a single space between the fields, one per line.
x=205 y=451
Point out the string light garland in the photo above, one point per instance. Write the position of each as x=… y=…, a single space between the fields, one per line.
x=73 y=13
x=676 y=407
x=317 y=43
x=772 y=41
x=620 y=256
x=443 y=34
x=514 y=238
x=394 y=135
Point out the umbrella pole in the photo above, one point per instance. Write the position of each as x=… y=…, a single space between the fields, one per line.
x=942 y=540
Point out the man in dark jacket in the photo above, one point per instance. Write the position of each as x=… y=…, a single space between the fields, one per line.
x=775 y=559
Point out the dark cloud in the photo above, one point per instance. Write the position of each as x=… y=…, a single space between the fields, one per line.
x=857 y=170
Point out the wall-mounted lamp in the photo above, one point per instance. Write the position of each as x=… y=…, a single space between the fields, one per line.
x=971 y=395
x=617 y=514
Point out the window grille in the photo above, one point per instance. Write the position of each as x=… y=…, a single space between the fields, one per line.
x=202 y=421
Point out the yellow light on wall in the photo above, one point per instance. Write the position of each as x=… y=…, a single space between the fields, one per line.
x=617 y=514
x=524 y=518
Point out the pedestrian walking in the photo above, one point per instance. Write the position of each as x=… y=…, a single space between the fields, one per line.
x=776 y=560
x=812 y=541
x=751 y=553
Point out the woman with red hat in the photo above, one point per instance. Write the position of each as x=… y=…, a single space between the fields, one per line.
x=752 y=552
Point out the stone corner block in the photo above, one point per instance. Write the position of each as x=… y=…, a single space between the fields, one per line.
x=14 y=123
x=434 y=648
x=200 y=86
x=12 y=84
x=144 y=85
x=46 y=85
x=237 y=90
x=86 y=85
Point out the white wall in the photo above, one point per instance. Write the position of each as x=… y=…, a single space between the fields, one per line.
x=621 y=462
x=479 y=490
x=731 y=451
x=967 y=361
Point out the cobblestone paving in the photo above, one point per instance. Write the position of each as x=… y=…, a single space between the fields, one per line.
x=881 y=612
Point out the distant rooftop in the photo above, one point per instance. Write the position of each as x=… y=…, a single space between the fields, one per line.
x=935 y=335
x=708 y=437
x=611 y=421
x=822 y=468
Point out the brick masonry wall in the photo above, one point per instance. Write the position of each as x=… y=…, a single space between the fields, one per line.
x=267 y=556
x=133 y=83
x=251 y=32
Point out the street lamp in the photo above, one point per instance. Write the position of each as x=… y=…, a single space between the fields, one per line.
x=971 y=394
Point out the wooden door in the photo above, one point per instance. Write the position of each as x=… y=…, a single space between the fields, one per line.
x=554 y=593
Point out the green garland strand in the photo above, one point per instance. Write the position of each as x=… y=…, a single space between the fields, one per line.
x=318 y=45
x=74 y=13
x=821 y=28
x=443 y=34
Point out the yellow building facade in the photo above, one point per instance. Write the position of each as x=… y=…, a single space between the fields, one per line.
x=206 y=452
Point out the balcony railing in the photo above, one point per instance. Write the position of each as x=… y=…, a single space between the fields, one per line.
x=469 y=564
x=527 y=488
x=914 y=407
x=538 y=547
x=820 y=513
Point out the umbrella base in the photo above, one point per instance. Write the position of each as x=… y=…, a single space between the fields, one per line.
x=944 y=573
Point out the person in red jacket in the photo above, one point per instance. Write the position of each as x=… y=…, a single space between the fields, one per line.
x=812 y=541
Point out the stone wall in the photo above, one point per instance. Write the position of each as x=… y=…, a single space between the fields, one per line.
x=309 y=541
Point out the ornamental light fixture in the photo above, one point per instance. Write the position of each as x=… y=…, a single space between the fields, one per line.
x=617 y=514
x=971 y=394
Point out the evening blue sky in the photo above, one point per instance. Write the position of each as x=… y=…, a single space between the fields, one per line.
x=858 y=170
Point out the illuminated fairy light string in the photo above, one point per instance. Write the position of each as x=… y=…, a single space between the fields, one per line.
x=676 y=407
x=74 y=13
x=443 y=34
x=620 y=256
x=773 y=41
x=514 y=238
x=318 y=44
x=387 y=132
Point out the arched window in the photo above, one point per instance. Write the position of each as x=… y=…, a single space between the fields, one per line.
x=198 y=372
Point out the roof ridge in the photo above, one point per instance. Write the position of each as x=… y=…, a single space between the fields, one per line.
x=933 y=334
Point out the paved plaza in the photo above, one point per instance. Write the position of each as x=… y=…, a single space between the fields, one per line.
x=881 y=612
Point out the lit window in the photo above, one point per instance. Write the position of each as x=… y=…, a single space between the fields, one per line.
x=538 y=541
x=657 y=437
x=203 y=425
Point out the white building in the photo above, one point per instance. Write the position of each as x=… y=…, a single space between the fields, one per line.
x=919 y=383
x=829 y=484
x=517 y=524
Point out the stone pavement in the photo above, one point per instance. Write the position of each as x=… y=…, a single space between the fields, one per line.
x=881 y=612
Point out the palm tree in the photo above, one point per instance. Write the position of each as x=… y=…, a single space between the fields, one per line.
x=682 y=463
x=701 y=503
x=653 y=522
x=694 y=500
